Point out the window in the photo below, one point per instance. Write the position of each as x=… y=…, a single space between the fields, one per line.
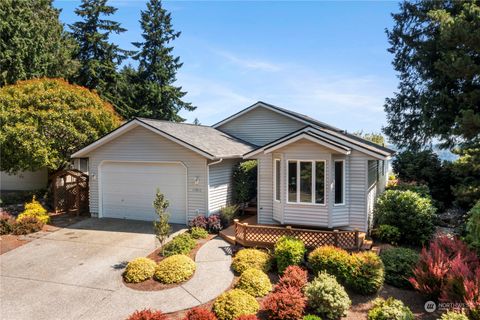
x=339 y=181
x=306 y=182
x=83 y=164
x=276 y=186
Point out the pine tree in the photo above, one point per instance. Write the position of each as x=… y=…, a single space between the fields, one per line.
x=99 y=58
x=33 y=42
x=157 y=96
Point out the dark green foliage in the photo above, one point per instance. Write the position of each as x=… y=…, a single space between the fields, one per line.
x=99 y=58
x=33 y=43
x=227 y=214
x=181 y=244
x=473 y=227
x=153 y=88
x=386 y=233
x=399 y=263
x=245 y=181
x=421 y=189
x=22 y=196
x=409 y=212
x=467 y=173
x=160 y=225
x=288 y=252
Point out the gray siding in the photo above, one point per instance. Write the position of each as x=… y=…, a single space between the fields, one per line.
x=340 y=213
x=358 y=190
x=265 y=189
x=24 y=180
x=260 y=126
x=140 y=144
x=220 y=185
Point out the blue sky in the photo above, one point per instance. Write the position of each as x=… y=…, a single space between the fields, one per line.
x=328 y=60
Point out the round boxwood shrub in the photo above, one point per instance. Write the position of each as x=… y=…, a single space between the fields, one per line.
x=399 y=263
x=327 y=297
x=198 y=233
x=288 y=251
x=452 y=315
x=251 y=258
x=293 y=276
x=333 y=260
x=175 y=269
x=286 y=304
x=368 y=274
x=148 y=314
x=181 y=244
x=199 y=314
x=391 y=309
x=139 y=269
x=254 y=282
x=311 y=317
x=412 y=214
x=232 y=304
x=386 y=234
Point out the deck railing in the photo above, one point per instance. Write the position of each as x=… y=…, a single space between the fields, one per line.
x=266 y=236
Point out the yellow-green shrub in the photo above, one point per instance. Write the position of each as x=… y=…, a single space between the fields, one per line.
x=254 y=282
x=234 y=303
x=368 y=274
x=335 y=261
x=139 y=269
x=175 y=269
x=36 y=210
x=251 y=258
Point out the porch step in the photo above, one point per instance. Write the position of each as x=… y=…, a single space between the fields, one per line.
x=367 y=245
x=250 y=210
x=376 y=249
x=228 y=235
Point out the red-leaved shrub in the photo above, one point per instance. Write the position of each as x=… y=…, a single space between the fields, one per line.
x=147 y=314
x=286 y=304
x=293 y=276
x=200 y=314
x=247 y=317
x=199 y=221
x=450 y=272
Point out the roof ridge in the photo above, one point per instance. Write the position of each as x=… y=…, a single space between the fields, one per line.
x=173 y=122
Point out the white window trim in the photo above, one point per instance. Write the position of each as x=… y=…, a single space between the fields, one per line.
x=314 y=173
x=343 y=184
x=276 y=162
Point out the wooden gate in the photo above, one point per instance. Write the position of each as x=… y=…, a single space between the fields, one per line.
x=70 y=192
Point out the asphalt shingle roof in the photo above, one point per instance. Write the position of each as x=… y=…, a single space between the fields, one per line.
x=210 y=140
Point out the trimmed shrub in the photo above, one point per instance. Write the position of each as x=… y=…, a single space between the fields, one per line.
x=286 y=304
x=214 y=223
x=147 y=314
x=199 y=221
x=450 y=272
x=399 y=264
x=200 y=314
x=36 y=210
x=391 y=309
x=293 y=276
x=254 y=282
x=452 y=315
x=198 y=233
x=233 y=304
x=387 y=234
x=368 y=274
x=244 y=181
x=421 y=189
x=412 y=214
x=139 y=269
x=248 y=317
x=311 y=317
x=227 y=214
x=251 y=258
x=288 y=251
x=473 y=227
x=335 y=261
x=174 y=269
x=327 y=297
x=6 y=223
x=27 y=225
x=181 y=244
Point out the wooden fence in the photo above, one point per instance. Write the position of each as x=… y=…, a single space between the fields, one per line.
x=266 y=236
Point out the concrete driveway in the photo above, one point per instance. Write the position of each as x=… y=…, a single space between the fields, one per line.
x=65 y=274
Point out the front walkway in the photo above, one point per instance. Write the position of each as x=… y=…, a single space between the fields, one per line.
x=75 y=273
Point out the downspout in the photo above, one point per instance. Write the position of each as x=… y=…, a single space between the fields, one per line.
x=208 y=183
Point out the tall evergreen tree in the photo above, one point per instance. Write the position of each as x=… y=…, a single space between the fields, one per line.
x=99 y=57
x=33 y=43
x=157 y=96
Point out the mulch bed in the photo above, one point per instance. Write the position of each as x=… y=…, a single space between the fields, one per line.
x=154 y=285
x=9 y=242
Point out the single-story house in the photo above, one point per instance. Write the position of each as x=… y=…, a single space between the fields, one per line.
x=309 y=173
x=24 y=180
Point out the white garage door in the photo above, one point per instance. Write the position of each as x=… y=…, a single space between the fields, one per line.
x=128 y=190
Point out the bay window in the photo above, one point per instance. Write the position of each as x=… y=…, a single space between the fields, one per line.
x=306 y=181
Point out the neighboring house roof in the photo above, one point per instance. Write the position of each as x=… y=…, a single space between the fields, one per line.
x=308 y=121
x=207 y=141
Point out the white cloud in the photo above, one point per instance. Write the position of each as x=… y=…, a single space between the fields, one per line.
x=248 y=63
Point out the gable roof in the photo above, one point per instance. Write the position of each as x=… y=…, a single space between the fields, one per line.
x=206 y=141
x=308 y=121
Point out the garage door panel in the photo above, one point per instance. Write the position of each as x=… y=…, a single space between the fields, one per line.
x=128 y=190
